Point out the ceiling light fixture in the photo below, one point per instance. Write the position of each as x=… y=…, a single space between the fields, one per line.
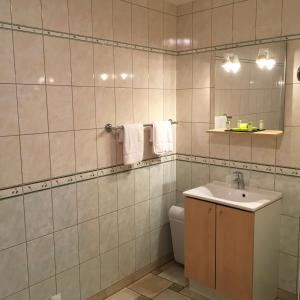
x=264 y=61
x=231 y=63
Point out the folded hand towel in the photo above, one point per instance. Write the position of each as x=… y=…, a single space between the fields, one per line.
x=162 y=137
x=132 y=137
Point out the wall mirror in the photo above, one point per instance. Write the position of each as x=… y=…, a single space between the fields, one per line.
x=249 y=86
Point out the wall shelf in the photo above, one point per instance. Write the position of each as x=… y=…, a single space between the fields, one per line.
x=263 y=133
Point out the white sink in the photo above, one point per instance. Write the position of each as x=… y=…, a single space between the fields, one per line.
x=249 y=199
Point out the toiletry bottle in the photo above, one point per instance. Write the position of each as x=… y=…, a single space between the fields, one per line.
x=238 y=124
x=250 y=126
x=228 y=125
x=261 y=125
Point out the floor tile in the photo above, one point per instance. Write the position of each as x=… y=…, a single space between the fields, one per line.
x=175 y=273
x=125 y=294
x=150 y=285
x=168 y=294
x=176 y=287
x=192 y=295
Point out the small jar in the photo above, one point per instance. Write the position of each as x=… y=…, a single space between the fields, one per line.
x=261 y=125
x=228 y=125
x=250 y=126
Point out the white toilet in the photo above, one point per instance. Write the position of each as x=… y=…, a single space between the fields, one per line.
x=176 y=216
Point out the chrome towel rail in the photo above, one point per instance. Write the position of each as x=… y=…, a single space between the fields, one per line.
x=109 y=128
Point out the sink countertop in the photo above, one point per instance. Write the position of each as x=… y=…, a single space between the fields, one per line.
x=250 y=199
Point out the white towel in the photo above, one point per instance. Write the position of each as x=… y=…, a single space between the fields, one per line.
x=162 y=137
x=132 y=137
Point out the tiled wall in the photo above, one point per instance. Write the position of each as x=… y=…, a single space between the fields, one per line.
x=206 y=23
x=57 y=91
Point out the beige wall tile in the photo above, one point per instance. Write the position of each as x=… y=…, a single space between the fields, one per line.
x=289 y=232
x=219 y=146
x=90 y=278
x=288 y=273
x=127 y=259
x=23 y=295
x=222 y=25
x=66 y=248
x=142 y=218
x=80 y=16
x=13 y=264
x=107 y=148
x=293 y=61
x=184 y=105
x=202 y=22
x=82 y=63
x=184 y=32
x=108 y=232
x=217 y=3
x=125 y=183
x=8 y=110
x=140 y=106
x=35 y=157
x=60 y=108
x=84 y=107
x=64 y=200
x=57 y=61
x=126 y=225
x=6 y=57
x=43 y=290
x=105 y=106
x=123 y=67
x=170 y=105
x=40 y=259
x=32 y=17
x=88 y=235
x=139 y=25
x=200 y=139
x=263 y=150
x=287 y=145
x=169 y=8
x=156 y=4
x=156 y=74
x=201 y=105
x=102 y=12
x=108 y=201
x=202 y=70
x=268 y=23
x=32 y=109
x=184 y=138
x=142 y=189
x=109 y=268
x=12 y=229
x=68 y=284
x=156 y=181
x=122 y=21
x=169 y=72
x=201 y=5
x=140 y=69
x=36 y=205
x=244 y=17
x=87 y=200
x=55 y=15
x=104 y=65
x=62 y=153
x=5 y=14
x=156 y=29
x=85 y=150
x=170 y=32
x=124 y=106
x=156 y=105
x=292 y=107
x=240 y=147
x=29 y=58
x=185 y=8
x=184 y=71
x=290 y=17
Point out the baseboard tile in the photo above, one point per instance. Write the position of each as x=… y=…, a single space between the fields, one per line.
x=285 y=295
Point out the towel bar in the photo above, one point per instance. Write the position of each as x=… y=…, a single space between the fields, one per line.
x=109 y=128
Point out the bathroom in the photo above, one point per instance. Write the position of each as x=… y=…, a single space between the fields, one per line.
x=79 y=219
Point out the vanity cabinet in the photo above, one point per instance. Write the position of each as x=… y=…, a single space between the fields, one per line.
x=230 y=251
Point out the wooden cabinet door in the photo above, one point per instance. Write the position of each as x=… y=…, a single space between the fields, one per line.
x=199 y=241
x=234 y=252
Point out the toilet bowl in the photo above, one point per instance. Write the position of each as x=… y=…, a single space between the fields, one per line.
x=176 y=216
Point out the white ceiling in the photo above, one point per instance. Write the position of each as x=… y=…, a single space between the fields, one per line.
x=178 y=2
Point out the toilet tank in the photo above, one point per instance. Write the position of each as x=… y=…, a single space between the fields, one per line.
x=176 y=216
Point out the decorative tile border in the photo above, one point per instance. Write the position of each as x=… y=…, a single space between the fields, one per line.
x=240 y=165
x=73 y=178
x=77 y=37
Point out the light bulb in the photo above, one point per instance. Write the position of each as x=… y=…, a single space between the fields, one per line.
x=227 y=66
x=261 y=62
x=270 y=63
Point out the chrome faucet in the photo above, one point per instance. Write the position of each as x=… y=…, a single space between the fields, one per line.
x=239 y=180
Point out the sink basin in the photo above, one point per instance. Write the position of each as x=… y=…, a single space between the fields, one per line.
x=249 y=199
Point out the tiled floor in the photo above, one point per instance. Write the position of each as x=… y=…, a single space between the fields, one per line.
x=165 y=283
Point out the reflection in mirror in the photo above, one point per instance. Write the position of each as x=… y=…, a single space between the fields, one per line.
x=249 y=87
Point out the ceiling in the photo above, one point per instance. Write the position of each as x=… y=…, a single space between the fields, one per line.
x=178 y=2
